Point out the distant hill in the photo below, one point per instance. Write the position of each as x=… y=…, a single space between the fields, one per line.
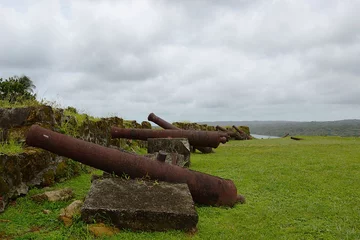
x=280 y=128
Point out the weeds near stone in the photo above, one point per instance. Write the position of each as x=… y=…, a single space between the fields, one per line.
x=18 y=104
x=125 y=176
x=11 y=147
x=156 y=183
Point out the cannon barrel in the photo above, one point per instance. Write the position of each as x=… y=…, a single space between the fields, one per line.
x=204 y=188
x=196 y=138
x=232 y=134
x=161 y=122
x=220 y=128
x=166 y=125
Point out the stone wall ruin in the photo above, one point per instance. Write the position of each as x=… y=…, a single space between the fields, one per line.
x=36 y=167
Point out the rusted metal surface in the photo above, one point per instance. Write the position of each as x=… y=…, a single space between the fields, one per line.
x=166 y=125
x=223 y=134
x=224 y=139
x=196 y=138
x=204 y=188
x=233 y=134
x=220 y=128
x=241 y=199
x=203 y=149
x=161 y=122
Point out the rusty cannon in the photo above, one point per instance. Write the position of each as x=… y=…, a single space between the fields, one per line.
x=166 y=125
x=204 y=188
x=196 y=138
x=161 y=122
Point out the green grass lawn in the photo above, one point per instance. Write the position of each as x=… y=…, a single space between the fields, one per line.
x=306 y=189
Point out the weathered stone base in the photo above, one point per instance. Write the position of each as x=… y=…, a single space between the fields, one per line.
x=140 y=205
x=33 y=167
x=171 y=145
x=171 y=158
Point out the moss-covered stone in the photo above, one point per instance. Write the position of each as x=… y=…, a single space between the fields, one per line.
x=33 y=167
x=61 y=170
x=69 y=126
x=33 y=162
x=43 y=114
x=18 y=134
x=13 y=117
x=3 y=186
x=246 y=129
x=211 y=128
x=194 y=126
x=145 y=125
x=15 y=122
x=131 y=124
x=11 y=169
x=3 y=134
x=58 y=115
x=48 y=178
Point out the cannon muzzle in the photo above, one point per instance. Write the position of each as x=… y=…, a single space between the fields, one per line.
x=161 y=122
x=219 y=128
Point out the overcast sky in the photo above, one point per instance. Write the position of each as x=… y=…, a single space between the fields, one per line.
x=189 y=60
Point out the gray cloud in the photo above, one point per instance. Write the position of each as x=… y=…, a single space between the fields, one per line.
x=189 y=60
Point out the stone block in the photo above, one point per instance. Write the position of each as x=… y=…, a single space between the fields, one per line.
x=67 y=214
x=54 y=196
x=171 y=158
x=140 y=205
x=171 y=145
x=15 y=117
x=14 y=122
x=18 y=173
x=101 y=230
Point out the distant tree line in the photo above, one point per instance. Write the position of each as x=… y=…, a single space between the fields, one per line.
x=280 y=128
x=17 y=89
x=332 y=128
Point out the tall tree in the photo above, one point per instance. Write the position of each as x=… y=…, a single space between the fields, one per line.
x=17 y=88
x=27 y=84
